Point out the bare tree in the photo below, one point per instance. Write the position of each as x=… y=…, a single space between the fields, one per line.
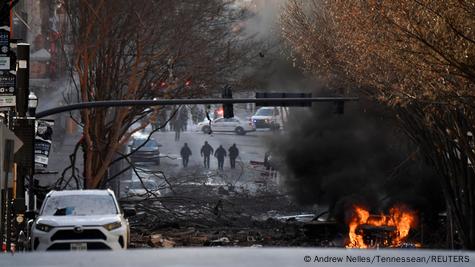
x=140 y=50
x=414 y=56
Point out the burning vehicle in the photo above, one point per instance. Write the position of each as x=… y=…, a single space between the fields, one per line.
x=367 y=230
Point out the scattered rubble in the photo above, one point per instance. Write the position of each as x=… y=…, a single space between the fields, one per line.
x=218 y=215
x=157 y=240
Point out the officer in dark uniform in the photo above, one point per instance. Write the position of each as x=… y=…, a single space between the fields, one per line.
x=185 y=153
x=206 y=151
x=233 y=154
x=220 y=154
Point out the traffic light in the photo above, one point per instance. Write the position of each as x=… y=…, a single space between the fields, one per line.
x=5 y=13
x=296 y=103
x=228 y=111
x=339 y=107
x=188 y=82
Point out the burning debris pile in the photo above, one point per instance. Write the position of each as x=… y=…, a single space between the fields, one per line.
x=327 y=158
x=372 y=231
x=216 y=212
x=209 y=218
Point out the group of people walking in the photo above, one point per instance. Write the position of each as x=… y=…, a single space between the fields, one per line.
x=207 y=150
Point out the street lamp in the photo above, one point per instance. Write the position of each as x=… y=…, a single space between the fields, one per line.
x=32 y=104
x=155 y=116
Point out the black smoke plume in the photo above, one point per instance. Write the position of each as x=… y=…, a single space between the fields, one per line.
x=337 y=160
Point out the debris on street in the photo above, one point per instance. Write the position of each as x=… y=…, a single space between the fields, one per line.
x=217 y=215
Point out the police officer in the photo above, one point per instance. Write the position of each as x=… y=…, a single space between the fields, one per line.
x=206 y=151
x=220 y=154
x=233 y=154
x=185 y=153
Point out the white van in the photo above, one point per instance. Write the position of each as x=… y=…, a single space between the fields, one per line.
x=268 y=118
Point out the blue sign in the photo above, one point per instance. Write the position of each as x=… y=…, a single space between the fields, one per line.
x=7 y=84
x=4 y=42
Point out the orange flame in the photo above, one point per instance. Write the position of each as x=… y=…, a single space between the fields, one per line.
x=400 y=217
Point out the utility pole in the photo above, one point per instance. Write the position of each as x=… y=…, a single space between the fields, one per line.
x=24 y=129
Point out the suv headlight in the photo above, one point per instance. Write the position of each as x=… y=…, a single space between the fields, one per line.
x=112 y=226
x=43 y=227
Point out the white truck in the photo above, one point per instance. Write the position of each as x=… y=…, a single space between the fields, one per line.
x=269 y=118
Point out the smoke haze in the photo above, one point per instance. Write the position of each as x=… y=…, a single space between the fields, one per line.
x=338 y=160
x=355 y=157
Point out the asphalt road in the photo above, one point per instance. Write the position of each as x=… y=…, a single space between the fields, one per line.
x=234 y=257
x=252 y=146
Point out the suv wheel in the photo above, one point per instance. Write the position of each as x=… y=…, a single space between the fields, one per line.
x=240 y=131
x=275 y=127
x=206 y=129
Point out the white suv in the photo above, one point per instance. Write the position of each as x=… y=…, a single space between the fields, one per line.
x=80 y=220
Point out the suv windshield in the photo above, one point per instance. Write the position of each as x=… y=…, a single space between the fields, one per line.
x=149 y=144
x=79 y=205
x=264 y=112
x=150 y=185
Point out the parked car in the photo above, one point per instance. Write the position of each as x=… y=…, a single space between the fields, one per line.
x=139 y=190
x=81 y=220
x=267 y=118
x=142 y=134
x=235 y=124
x=157 y=177
x=145 y=151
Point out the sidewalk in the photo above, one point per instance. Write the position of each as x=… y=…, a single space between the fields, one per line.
x=50 y=95
x=62 y=147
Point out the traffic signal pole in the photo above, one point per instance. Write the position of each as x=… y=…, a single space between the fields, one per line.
x=164 y=102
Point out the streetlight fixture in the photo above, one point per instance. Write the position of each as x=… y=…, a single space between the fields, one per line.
x=155 y=120
x=32 y=104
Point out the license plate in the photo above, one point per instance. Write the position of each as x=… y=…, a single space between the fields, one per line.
x=78 y=246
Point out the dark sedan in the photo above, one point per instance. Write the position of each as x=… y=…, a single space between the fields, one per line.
x=145 y=151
